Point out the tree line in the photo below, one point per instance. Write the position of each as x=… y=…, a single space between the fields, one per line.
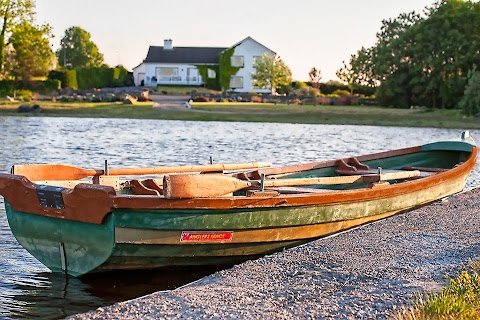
x=426 y=59
x=25 y=50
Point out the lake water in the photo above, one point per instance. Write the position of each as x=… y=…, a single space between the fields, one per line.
x=29 y=291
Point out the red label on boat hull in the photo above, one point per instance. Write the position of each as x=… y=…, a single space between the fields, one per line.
x=206 y=236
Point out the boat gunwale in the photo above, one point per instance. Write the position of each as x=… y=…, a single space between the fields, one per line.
x=23 y=196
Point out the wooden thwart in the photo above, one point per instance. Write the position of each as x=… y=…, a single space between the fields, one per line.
x=200 y=186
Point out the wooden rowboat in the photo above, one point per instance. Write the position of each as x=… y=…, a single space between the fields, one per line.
x=81 y=221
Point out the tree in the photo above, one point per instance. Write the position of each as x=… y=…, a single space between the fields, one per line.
x=32 y=52
x=394 y=61
x=347 y=75
x=12 y=13
x=470 y=103
x=423 y=59
x=78 y=50
x=271 y=72
x=315 y=77
x=448 y=45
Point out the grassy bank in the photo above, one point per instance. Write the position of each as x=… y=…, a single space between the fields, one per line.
x=459 y=300
x=251 y=112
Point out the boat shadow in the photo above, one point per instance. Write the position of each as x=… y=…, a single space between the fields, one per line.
x=56 y=296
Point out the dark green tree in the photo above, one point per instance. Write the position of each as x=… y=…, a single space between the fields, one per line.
x=394 y=63
x=470 y=103
x=78 y=50
x=424 y=59
x=32 y=52
x=448 y=45
x=12 y=13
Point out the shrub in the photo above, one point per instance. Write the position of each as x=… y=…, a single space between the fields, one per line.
x=307 y=91
x=470 y=102
x=59 y=76
x=70 y=79
x=25 y=95
x=347 y=100
x=341 y=92
x=200 y=99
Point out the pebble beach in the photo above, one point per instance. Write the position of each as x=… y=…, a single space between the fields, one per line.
x=364 y=273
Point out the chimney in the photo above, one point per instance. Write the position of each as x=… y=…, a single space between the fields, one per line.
x=167 y=44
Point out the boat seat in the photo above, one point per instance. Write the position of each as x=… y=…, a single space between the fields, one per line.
x=152 y=184
x=139 y=188
x=351 y=164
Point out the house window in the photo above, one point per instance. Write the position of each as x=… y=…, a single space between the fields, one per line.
x=236 y=82
x=166 y=72
x=212 y=74
x=254 y=60
x=237 y=61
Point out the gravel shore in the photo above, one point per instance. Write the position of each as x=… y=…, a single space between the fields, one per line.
x=363 y=273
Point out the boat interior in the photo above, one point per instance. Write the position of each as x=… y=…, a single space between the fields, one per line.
x=369 y=171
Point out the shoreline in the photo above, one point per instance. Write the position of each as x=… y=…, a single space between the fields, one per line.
x=366 y=272
x=252 y=112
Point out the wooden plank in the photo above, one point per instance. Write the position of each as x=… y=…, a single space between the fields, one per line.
x=425 y=169
x=66 y=172
x=200 y=186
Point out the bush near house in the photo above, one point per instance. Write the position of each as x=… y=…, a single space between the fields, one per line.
x=93 y=77
x=12 y=87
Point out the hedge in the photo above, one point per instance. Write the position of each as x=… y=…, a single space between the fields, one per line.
x=7 y=87
x=93 y=77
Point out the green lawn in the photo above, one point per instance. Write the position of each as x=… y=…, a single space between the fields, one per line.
x=256 y=112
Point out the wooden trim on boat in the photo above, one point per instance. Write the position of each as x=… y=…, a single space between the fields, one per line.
x=67 y=172
x=91 y=203
x=85 y=203
x=331 y=163
x=384 y=191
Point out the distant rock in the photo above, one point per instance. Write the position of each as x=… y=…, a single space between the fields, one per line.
x=26 y=108
x=128 y=99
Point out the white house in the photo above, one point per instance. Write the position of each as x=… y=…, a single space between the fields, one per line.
x=169 y=65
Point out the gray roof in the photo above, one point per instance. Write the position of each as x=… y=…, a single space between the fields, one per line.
x=200 y=55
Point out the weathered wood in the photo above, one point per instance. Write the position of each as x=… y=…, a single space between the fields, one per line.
x=425 y=169
x=184 y=186
x=152 y=184
x=137 y=187
x=66 y=172
x=298 y=190
x=375 y=171
x=178 y=186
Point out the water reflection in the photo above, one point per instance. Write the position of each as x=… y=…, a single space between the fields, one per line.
x=55 y=296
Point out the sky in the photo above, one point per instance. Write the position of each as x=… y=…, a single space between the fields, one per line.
x=304 y=33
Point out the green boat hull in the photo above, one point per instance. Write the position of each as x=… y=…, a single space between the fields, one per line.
x=143 y=239
x=152 y=232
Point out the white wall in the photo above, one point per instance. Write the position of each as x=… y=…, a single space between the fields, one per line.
x=138 y=74
x=249 y=49
x=151 y=69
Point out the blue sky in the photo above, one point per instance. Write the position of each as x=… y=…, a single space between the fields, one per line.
x=304 y=33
